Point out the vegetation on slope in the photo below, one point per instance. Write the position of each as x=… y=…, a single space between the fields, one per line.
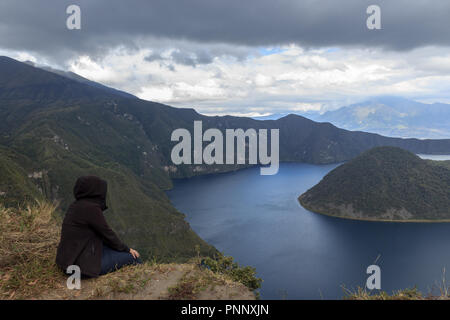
x=404 y=294
x=16 y=187
x=28 y=242
x=383 y=183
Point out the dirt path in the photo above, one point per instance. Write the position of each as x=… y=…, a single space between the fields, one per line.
x=165 y=281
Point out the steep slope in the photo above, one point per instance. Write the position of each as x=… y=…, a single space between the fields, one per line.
x=394 y=117
x=16 y=186
x=383 y=183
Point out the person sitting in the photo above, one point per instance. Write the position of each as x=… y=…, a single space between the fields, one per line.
x=87 y=241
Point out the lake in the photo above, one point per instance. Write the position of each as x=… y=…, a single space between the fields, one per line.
x=299 y=254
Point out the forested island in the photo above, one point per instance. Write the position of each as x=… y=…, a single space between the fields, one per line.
x=384 y=183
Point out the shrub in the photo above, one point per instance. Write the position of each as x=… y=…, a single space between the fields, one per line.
x=226 y=265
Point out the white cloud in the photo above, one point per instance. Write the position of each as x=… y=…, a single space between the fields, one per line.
x=289 y=79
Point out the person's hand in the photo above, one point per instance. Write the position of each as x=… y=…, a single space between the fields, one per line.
x=134 y=253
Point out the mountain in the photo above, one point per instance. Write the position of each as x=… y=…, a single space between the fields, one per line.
x=384 y=183
x=276 y=116
x=77 y=77
x=55 y=129
x=273 y=116
x=394 y=117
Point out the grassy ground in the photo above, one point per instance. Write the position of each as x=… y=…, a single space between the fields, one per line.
x=441 y=291
x=405 y=294
x=28 y=241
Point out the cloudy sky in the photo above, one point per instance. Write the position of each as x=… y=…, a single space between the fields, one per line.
x=247 y=57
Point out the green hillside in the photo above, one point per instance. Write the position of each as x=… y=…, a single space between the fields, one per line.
x=16 y=183
x=384 y=183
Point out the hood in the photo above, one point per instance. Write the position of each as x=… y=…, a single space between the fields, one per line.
x=92 y=188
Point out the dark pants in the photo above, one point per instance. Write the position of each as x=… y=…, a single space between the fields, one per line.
x=113 y=260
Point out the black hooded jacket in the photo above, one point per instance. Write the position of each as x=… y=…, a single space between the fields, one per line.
x=84 y=228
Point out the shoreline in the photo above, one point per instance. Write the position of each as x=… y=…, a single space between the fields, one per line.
x=372 y=219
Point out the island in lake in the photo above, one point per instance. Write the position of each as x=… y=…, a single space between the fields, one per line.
x=384 y=183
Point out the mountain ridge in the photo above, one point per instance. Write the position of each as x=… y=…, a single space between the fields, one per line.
x=392 y=116
x=77 y=77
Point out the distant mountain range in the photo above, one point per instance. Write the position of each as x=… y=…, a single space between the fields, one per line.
x=384 y=183
x=392 y=116
x=276 y=116
x=273 y=116
x=56 y=127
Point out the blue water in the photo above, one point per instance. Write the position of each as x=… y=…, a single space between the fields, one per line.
x=303 y=255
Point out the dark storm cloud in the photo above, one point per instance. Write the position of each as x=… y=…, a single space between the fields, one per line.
x=39 y=25
x=183 y=57
x=154 y=57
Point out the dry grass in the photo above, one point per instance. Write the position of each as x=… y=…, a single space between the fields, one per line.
x=194 y=282
x=364 y=294
x=405 y=294
x=28 y=241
